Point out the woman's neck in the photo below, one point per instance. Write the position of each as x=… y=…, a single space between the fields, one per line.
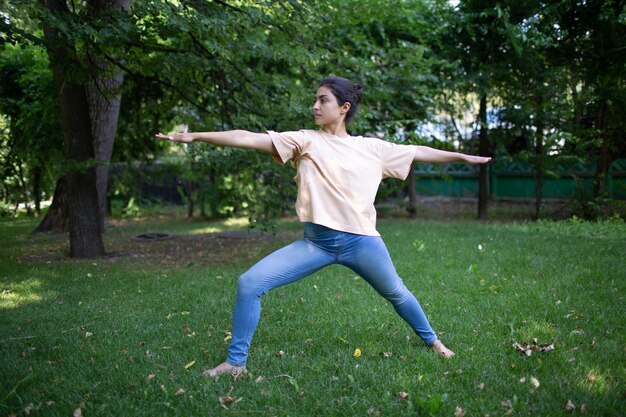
x=338 y=129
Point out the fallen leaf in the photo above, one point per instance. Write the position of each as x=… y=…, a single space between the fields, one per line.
x=260 y=379
x=28 y=408
x=78 y=412
x=190 y=364
x=386 y=354
x=151 y=377
x=404 y=396
x=570 y=406
x=591 y=377
x=340 y=296
x=522 y=380
x=227 y=399
x=534 y=382
x=527 y=349
x=180 y=392
x=459 y=412
x=481 y=386
x=357 y=353
x=279 y=354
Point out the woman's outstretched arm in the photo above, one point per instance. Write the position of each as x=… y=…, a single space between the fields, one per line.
x=435 y=156
x=234 y=138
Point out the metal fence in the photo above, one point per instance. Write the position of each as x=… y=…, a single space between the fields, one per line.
x=514 y=179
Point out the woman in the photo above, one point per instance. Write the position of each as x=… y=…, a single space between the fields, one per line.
x=337 y=177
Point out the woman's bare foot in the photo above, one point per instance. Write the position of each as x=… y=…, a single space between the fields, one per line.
x=441 y=349
x=224 y=368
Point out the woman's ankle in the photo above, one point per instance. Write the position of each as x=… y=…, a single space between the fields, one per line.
x=224 y=368
x=441 y=349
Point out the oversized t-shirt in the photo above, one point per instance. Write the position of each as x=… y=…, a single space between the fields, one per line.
x=338 y=177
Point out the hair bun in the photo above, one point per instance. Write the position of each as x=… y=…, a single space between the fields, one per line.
x=358 y=92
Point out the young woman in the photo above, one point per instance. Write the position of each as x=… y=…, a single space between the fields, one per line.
x=337 y=176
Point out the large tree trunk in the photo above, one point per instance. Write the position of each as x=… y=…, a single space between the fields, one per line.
x=82 y=197
x=104 y=112
x=57 y=217
x=483 y=150
x=104 y=98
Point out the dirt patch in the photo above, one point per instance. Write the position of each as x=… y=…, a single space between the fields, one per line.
x=175 y=251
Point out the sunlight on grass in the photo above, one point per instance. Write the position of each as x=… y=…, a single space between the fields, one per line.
x=221 y=226
x=595 y=381
x=209 y=229
x=16 y=295
x=241 y=221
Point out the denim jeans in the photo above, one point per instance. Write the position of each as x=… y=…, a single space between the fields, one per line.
x=320 y=247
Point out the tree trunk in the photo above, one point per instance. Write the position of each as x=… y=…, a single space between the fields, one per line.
x=483 y=150
x=412 y=206
x=189 y=188
x=104 y=98
x=605 y=159
x=57 y=218
x=540 y=170
x=82 y=197
x=37 y=174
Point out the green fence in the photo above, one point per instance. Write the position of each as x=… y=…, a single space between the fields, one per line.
x=515 y=180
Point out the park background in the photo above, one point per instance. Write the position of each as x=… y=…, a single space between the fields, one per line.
x=112 y=241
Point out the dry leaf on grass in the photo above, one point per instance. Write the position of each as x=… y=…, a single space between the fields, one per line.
x=534 y=382
x=404 y=396
x=528 y=349
x=228 y=399
x=28 y=409
x=357 y=353
x=459 y=412
x=570 y=406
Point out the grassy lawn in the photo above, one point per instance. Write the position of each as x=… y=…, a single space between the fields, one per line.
x=130 y=334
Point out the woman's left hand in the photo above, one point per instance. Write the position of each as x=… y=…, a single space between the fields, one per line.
x=475 y=159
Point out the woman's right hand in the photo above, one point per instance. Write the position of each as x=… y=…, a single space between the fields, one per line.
x=176 y=137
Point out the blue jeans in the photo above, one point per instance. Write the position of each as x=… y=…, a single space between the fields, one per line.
x=320 y=247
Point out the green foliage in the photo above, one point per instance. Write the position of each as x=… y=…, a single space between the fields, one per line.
x=550 y=69
x=31 y=142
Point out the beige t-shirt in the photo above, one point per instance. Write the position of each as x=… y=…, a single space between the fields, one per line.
x=338 y=177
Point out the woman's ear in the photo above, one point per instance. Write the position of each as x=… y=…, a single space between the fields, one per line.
x=346 y=107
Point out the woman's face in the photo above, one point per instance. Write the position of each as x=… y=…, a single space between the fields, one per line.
x=326 y=109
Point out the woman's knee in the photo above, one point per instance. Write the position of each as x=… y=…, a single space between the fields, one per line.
x=398 y=294
x=248 y=286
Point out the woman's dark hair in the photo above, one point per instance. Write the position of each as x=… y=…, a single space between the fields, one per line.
x=345 y=91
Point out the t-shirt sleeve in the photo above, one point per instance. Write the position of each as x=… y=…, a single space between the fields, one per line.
x=289 y=145
x=396 y=159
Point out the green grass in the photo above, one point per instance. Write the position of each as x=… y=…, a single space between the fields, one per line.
x=114 y=335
